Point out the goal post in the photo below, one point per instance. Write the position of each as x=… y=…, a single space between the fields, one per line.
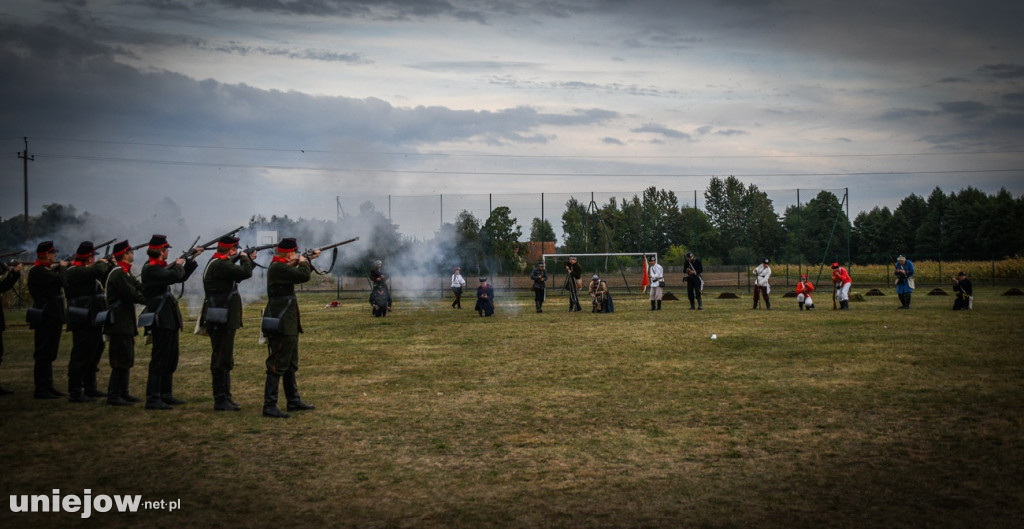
x=588 y=261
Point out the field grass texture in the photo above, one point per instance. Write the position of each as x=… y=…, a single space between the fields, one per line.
x=435 y=417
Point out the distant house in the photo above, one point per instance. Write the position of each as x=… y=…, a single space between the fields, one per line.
x=536 y=249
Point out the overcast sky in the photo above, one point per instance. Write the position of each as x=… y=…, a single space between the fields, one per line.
x=233 y=107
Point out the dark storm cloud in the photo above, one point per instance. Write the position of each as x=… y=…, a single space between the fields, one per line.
x=290 y=53
x=664 y=131
x=1004 y=71
x=108 y=98
x=380 y=9
x=964 y=107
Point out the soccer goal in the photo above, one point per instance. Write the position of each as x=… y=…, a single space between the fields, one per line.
x=593 y=263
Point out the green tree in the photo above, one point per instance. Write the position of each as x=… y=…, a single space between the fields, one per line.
x=871 y=234
x=470 y=249
x=809 y=229
x=906 y=218
x=500 y=236
x=541 y=230
x=930 y=234
x=574 y=226
x=747 y=224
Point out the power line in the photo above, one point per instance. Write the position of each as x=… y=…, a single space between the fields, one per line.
x=504 y=173
x=299 y=150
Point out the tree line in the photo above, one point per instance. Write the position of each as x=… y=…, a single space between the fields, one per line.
x=738 y=225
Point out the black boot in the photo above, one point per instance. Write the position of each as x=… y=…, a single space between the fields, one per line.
x=767 y=304
x=844 y=305
x=291 y=392
x=227 y=391
x=700 y=303
x=89 y=382
x=75 y=391
x=659 y=304
x=167 y=391
x=220 y=394
x=692 y=307
x=908 y=300
x=153 y=400
x=39 y=377
x=125 y=394
x=270 y=398
x=49 y=381
x=118 y=388
x=654 y=305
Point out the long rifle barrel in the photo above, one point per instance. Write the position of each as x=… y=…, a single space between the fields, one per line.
x=308 y=253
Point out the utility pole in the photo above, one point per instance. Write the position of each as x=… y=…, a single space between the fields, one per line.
x=26 y=158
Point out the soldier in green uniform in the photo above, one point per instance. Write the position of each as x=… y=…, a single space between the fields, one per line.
x=157 y=278
x=9 y=275
x=46 y=286
x=83 y=286
x=224 y=304
x=123 y=293
x=287 y=269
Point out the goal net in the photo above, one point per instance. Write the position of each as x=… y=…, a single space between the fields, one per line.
x=618 y=269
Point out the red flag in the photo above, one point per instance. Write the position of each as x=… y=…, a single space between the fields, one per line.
x=646 y=280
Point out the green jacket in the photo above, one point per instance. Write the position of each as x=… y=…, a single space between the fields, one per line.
x=220 y=282
x=46 y=286
x=123 y=292
x=83 y=286
x=281 y=302
x=156 y=286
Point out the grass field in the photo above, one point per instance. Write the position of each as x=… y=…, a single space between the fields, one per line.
x=438 y=418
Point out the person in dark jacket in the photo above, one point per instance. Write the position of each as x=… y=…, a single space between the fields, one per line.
x=9 y=275
x=694 y=281
x=540 y=283
x=964 y=292
x=222 y=314
x=484 y=298
x=287 y=269
x=157 y=277
x=83 y=286
x=573 y=272
x=123 y=293
x=46 y=286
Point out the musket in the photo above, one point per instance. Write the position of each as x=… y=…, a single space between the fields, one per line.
x=308 y=254
x=11 y=254
x=191 y=252
x=95 y=248
x=249 y=250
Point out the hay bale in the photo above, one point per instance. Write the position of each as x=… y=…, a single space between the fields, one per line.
x=789 y=295
x=728 y=295
x=1013 y=292
x=937 y=292
x=669 y=296
x=874 y=292
x=856 y=297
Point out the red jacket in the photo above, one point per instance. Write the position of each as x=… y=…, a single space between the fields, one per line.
x=841 y=276
x=804 y=288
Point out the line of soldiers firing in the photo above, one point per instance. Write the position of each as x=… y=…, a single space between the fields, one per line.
x=96 y=297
